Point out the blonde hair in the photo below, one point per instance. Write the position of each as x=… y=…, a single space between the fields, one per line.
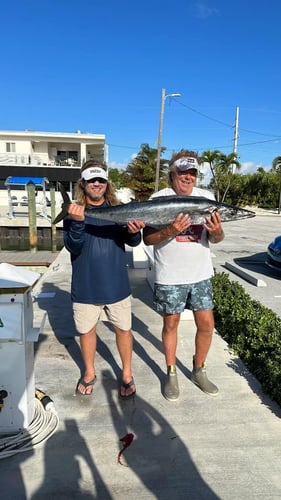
x=110 y=195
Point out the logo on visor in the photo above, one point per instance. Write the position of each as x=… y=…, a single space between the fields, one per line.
x=186 y=163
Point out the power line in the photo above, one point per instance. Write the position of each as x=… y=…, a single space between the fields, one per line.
x=274 y=137
x=214 y=147
x=223 y=123
x=205 y=116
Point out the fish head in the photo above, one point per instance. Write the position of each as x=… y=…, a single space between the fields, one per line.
x=231 y=212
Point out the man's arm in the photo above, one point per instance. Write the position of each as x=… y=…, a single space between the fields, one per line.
x=132 y=233
x=74 y=229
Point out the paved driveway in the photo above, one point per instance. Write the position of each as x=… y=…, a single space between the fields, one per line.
x=245 y=246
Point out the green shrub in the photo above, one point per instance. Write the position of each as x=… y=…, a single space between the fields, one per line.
x=251 y=330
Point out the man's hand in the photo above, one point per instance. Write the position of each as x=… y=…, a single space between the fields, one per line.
x=76 y=212
x=214 y=228
x=153 y=236
x=135 y=226
x=180 y=224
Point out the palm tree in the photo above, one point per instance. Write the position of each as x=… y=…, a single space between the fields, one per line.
x=225 y=168
x=212 y=157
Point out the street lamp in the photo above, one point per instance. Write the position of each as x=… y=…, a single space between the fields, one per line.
x=159 y=142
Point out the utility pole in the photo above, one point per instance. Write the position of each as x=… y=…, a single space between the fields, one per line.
x=235 y=139
x=159 y=142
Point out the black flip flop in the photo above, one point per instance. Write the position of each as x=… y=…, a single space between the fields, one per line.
x=127 y=386
x=85 y=384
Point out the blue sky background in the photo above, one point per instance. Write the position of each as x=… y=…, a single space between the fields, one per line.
x=99 y=66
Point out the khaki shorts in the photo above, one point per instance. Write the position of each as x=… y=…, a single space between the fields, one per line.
x=86 y=316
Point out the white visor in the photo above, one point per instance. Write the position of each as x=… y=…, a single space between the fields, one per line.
x=186 y=163
x=92 y=172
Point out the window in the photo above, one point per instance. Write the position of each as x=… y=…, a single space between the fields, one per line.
x=10 y=147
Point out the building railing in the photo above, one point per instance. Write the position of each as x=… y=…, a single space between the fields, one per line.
x=35 y=159
x=25 y=159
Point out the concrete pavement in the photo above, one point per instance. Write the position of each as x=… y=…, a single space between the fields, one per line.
x=199 y=447
x=245 y=246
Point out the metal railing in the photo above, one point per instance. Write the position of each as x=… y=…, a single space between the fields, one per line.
x=25 y=159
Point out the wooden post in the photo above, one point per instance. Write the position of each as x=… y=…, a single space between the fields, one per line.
x=32 y=216
x=53 y=216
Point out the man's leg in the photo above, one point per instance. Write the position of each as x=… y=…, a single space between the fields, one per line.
x=204 y=321
x=169 y=337
x=124 y=342
x=205 y=326
x=169 y=341
x=88 y=342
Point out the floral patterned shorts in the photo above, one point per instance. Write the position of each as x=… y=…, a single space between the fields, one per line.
x=173 y=299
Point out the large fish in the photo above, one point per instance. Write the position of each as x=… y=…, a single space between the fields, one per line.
x=161 y=211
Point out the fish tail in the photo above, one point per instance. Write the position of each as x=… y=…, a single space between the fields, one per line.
x=64 y=194
x=65 y=205
x=62 y=214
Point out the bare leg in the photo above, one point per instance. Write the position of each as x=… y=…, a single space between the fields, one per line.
x=124 y=341
x=169 y=337
x=205 y=326
x=169 y=341
x=88 y=343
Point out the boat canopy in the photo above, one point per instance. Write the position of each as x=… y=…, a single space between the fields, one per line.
x=22 y=181
x=15 y=182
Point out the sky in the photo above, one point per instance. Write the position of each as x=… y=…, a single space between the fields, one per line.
x=99 y=66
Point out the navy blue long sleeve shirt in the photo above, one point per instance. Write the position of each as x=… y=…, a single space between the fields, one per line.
x=98 y=257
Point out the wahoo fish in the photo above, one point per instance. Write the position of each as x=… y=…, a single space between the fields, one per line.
x=161 y=211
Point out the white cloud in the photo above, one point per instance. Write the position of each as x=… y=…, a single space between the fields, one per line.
x=250 y=167
x=119 y=166
x=202 y=11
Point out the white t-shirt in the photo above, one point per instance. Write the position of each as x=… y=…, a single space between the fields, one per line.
x=186 y=258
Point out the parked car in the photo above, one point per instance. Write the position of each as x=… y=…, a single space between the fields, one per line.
x=14 y=201
x=274 y=253
x=24 y=201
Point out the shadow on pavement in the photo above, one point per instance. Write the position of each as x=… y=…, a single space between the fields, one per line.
x=59 y=310
x=257 y=264
x=62 y=470
x=157 y=455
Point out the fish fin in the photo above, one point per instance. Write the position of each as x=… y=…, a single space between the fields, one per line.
x=62 y=214
x=64 y=194
x=65 y=205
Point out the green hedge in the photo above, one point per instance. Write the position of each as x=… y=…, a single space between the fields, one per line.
x=252 y=330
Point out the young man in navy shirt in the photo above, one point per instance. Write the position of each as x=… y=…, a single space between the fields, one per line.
x=100 y=282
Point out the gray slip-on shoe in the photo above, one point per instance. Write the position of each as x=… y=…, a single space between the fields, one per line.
x=171 y=388
x=199 y=378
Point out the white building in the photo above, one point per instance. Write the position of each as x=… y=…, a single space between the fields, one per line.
x=34 y=148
